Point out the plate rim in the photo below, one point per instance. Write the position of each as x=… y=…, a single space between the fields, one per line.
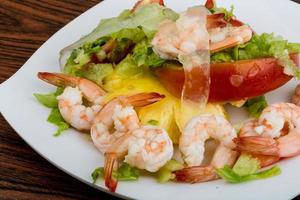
x=6 y=82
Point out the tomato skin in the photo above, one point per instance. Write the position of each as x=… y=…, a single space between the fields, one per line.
x=233 y=81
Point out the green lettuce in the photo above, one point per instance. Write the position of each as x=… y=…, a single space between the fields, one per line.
x=255 y=106
x=246 y=169
x=147 y=18
x=293 y=47
x=125 y=41
x=56 y=119
x=143 y=54
x=124 y=173
x=262 y=46
x=246 y=165
x=134 y=34
x=50 y=101
x=222 y=56
x=165 y=173
x=97 y=72
x=128 y=67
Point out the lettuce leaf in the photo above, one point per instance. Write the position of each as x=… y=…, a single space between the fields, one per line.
x=229 y=175
x=294 y=47
x=134 y=34
x=165 y=173
x=262 y=46
x=246 y=165
x=246 y=169
x=255 y=106
x=128 y=67
x=56 y=119
x=144 y=55
x=97 y=72
x=124 y=40
x=147 y=17
x=222 y=56
x=50 y=101
x=124 y=173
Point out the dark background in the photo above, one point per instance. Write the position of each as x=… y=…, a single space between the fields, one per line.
x=24 y=26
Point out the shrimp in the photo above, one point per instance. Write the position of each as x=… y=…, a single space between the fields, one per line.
x=191 y=145
x=200 y=129
x=185 y=37
x=278 y=119
x=285 y=146
x=280 y=136
x=148 y=147
x=226 y=37
x=251 y=128
x=70 y=102
x=188 y=40
x=118 y=117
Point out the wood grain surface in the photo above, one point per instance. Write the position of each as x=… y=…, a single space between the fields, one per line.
x=24 y=26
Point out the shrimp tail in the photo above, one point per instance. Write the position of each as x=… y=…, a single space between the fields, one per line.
x=265 y=161
x=196 y=174
x=58 y=79
x=144 y=99
x=257 y=145
x=110 y=162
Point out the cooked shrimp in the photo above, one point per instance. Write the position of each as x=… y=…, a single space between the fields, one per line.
x=186 y=37
x=226 y=37
x=70 y=102
x=280 y=133
x=249 y=128
x=199 y=130
x=148 y=147
x=278 y=119
x=118 y=117
x=188 y=40
x=252 y=128
x=285 y=146
x=191 y=144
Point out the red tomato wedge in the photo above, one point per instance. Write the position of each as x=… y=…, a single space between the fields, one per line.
x=232 y=81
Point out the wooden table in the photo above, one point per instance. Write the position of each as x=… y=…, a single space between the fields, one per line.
x=24 y=26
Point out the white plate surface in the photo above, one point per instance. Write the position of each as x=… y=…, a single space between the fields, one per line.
x=74 y=153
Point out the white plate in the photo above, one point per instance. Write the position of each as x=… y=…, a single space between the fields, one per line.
x=75 y=154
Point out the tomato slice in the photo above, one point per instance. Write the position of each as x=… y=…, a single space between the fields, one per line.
x=232 y=81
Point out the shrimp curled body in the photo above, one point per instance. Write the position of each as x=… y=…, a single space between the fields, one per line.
x=148 y=147
x=70 y=102
x=200 y=129
x=279 y=135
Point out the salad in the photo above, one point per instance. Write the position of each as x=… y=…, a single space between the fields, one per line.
x=152 y=82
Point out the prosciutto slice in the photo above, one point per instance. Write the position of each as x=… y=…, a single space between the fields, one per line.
x=188 y=40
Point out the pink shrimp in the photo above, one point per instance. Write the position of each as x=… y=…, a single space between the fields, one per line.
x=279 y=135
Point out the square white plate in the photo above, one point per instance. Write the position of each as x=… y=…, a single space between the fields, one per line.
x=74 y=153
